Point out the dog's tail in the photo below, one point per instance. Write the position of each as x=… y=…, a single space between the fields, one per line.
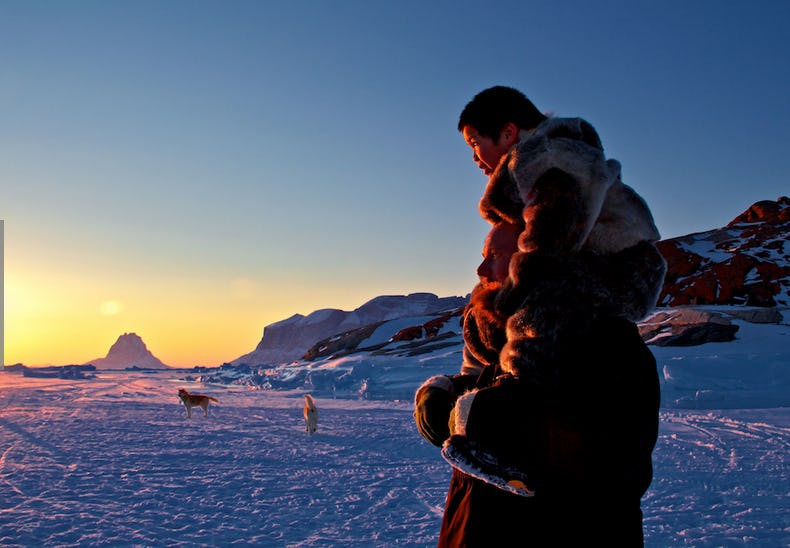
x=212 y=398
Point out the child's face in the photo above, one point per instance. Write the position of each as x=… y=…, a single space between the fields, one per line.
x=487 y=152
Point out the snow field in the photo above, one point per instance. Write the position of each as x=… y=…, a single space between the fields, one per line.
x=113 y=461
x=122 y=465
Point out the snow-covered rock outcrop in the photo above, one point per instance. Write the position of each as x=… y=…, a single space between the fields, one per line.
x=745 y=263
x=290 y=339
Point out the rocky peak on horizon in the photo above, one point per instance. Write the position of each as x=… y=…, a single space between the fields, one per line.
x=765 y=211
x=746 y=262
x=128 y=351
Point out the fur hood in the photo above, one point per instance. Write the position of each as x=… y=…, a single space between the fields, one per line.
x=609 y=216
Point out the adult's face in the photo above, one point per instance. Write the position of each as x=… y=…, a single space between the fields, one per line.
x=499 y=246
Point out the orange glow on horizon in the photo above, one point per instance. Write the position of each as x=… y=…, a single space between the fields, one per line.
x=47 y=325
x=63 y=318
x=62 y=310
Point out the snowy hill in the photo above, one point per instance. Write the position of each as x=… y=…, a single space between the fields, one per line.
x=289 y=339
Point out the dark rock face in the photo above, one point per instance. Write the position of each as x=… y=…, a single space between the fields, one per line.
x=424 y=337
x=340 y=344
x=745 y=263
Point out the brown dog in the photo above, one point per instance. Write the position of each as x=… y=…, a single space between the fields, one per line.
x=195 y=400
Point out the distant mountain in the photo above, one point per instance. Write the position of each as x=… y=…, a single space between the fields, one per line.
x=128 y=351
x=745 y=263
x=289 y=339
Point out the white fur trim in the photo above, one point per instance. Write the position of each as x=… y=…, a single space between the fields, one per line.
x=442 y=382
x=461 y=415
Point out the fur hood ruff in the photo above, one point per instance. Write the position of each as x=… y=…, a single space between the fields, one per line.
x=610 y=217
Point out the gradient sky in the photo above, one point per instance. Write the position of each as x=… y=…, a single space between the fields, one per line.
x=193 y=171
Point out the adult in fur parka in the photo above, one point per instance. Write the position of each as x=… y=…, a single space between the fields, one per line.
x=585 y=269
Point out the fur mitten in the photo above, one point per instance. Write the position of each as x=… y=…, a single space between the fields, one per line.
x=433 y=402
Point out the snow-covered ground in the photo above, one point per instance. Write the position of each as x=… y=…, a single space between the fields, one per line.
x=112 y=460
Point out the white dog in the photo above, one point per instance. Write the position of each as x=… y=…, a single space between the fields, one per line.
x=310 y=414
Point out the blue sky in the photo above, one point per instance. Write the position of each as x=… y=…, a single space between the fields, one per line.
x=193 y=171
